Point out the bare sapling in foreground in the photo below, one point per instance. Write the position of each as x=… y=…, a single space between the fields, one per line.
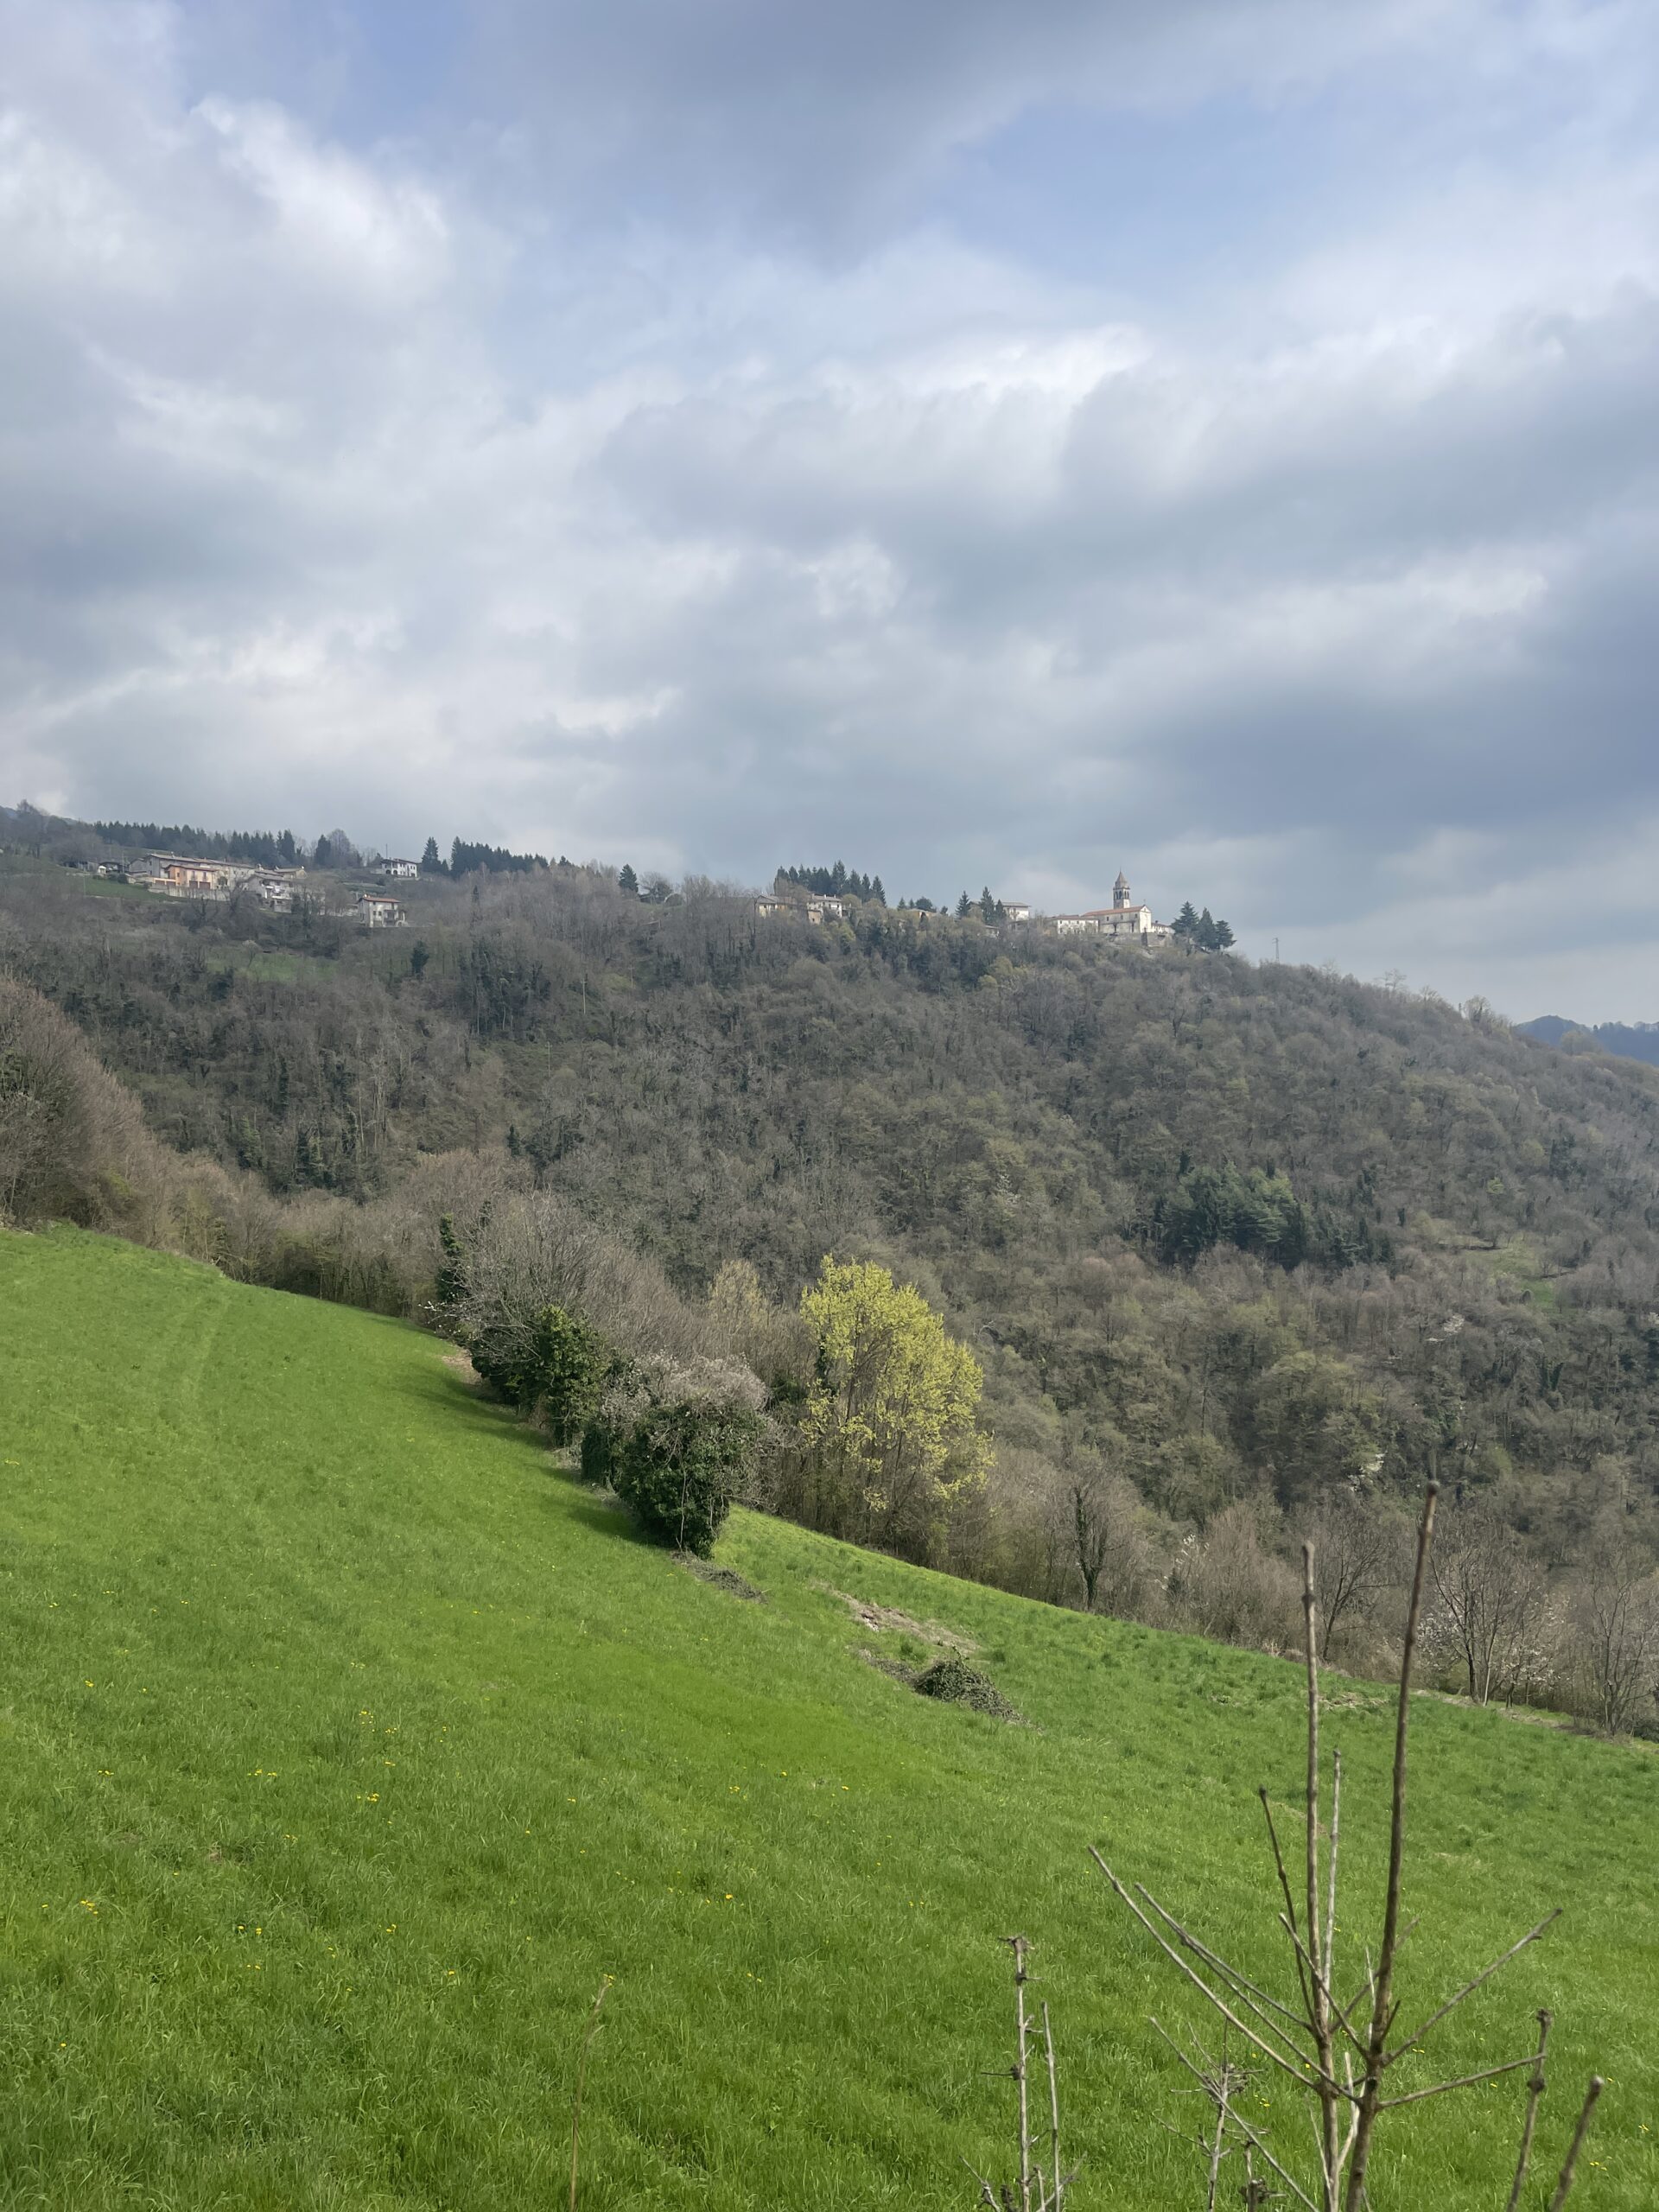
x=1338 y=2041
x=1036 y=2187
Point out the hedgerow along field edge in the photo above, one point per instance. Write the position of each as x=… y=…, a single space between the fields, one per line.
x=349 y=1740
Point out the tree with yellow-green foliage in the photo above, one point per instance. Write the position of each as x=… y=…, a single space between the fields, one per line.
x=888 y=1434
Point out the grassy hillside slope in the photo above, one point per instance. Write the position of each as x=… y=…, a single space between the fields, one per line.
x=347 y=1741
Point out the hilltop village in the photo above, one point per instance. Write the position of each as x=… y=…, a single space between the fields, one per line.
x=1127 y=919
x=183 y=876
x=282 y=876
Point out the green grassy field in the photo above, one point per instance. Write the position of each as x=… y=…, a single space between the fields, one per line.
x=66 y=879
x=347 y=1741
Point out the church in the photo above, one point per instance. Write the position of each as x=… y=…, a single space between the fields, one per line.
x=1126 y=917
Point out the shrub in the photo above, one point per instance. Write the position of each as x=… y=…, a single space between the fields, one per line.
x=569 y=1363
x=560 y=1365
x=72 y=1143
x=681 y=1466
x=601 y=1443
x=506 y=1364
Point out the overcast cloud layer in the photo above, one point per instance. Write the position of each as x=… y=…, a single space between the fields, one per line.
x=1218 y=438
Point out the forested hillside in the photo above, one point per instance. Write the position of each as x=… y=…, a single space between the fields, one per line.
x=1256 y=1238
x=1629 y=1041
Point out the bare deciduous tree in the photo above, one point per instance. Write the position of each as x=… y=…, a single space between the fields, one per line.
x=1490 y=1604
x=1037 y=2187
x=1231 y=1585
x=1337 y=2050
x=1111 y=1553
x=1354 y=1543
x=1616 y=1617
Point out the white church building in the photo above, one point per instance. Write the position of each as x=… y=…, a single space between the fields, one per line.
x=1126 y=916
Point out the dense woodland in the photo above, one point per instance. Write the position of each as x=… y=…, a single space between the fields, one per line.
x=1239 y=1247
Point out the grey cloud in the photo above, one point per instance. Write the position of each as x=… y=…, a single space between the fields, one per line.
x=325 y=495
x=1458 y=543
x=822 y=123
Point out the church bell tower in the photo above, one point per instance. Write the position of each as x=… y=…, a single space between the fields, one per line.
x=1120 y=890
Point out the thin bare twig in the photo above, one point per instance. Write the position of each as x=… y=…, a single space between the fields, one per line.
x=1462 y=2082
x=1223 y=2091
x=589 y=2033
x=1290 y=1902
x=1319 y=2011
x=1055 y=2174
x=1242 y=1982
x=1381 y=2002
x=985 y=2192
x=1294 y=2070
x=1340 y=2014
x=1289 y=2180
x=1239 y=2122
x=1019 y=1947
x=1569 y=2171
x=1470 y=1987
x=1534 y=2093
x=1328 y=1952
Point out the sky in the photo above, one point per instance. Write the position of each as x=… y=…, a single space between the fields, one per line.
x=988 y=442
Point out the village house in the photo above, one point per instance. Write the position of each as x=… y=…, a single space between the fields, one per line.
x=1017 y=910
x=378 y=910
x=180 y=875
x=400 y=871
x=816 y=909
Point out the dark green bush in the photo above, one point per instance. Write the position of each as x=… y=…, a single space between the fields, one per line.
x=562 y=1366
x=568 y=1365
x=506 y=1366
x=601 y=1443
x=682 y=1464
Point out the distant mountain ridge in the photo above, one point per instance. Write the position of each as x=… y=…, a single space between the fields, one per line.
x=1631 y=1040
